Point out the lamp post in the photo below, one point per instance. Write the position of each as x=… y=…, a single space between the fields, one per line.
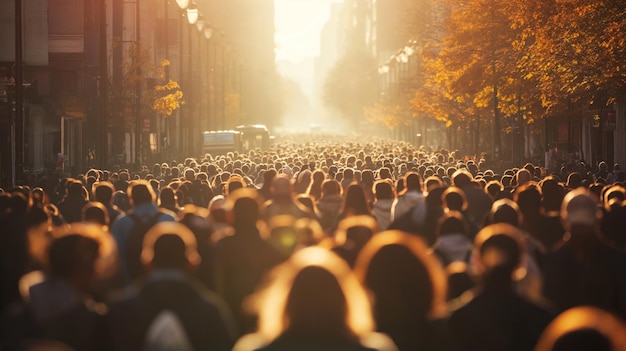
x=183 y=4
x=192 y=14
x=17 y=136
x=103 y=148
x=138 y=92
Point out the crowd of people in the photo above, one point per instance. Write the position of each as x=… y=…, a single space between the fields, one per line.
x=317 y=244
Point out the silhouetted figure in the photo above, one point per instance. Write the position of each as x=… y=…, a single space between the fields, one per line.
x=62 y=308
x=313 y=302
x=72 y=204
x=329 y=204
x=409 y=289
x=585 y=270
x=584 y=329
x=494 y=316
x=170 y=310
x=245 y=257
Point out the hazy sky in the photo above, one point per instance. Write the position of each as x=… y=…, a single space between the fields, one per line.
x=298 y=27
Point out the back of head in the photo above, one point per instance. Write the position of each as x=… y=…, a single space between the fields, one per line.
x=316 y=305
x=505 y=211
x=331 y=187
x=75 y=190
x=409 y=285
x=574 y=180
x=452 y=222
x=461 y=178
x=580 y=208
x=529 y=198
x=141 y=192
x=500 y=255
x=103 y=192
x=583 y=340
x=523 y=176
x=454 y=199
x=73 y=257
x=169 y=252
x=95 y=212
x=245 y=205
x=383 y=189
x=413 y=182
x=281 y=187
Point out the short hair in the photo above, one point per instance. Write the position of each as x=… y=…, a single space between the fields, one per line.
x=72 y=254
x=141 y=192
x=383 y=189
x=103 y=191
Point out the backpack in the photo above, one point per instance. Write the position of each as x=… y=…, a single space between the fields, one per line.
x=134 y=244
x=166 y=333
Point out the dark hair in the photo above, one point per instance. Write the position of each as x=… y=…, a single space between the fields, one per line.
x=331 y=187
x=169 y=252
x=452 y=222
x=72 y=254
x=316 y=305
x=95 y=212
x=141 y=192
x=581 y=340
x=383 y=189
x=103 y=192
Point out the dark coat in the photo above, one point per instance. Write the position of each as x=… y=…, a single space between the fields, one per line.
x=600 y=280
x=205 y=318
x=498 y=320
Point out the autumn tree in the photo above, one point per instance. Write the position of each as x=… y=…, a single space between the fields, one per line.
x=574 y=49
x=132 y=99
x=167 y=97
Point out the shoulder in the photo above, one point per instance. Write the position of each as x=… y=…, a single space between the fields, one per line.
x=378 y=342
x=250 y=342
x=166 y=215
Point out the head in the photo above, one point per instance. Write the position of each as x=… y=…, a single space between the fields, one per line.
x=404 y=278
x=331 y=187
x=355 y=201
x=73 y=258
x=529 y=198
x=243 y=208
x=454 y=199
x=96 y=213
x=499 y=254
x=383 y=189
x=462 y=178
x=168 y=197
x=580 y=213
x=413 y=182
x=315 y=294
x=281 y=187
x=170 y=245
x=452 y=222
x=140 y=192
x=103 y=192
x=505 y=211
x=523 y=176
x=583 y=328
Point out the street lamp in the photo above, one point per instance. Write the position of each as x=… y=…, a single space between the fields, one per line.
x=192 y=14
x=208 y=32
x=200 y=24
x=183 y=4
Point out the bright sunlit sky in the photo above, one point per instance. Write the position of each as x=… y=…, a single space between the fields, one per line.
x=298 y=26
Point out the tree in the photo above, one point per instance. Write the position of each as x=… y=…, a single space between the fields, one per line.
x=126 y=107
x=166 y=98
x=574 y=49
